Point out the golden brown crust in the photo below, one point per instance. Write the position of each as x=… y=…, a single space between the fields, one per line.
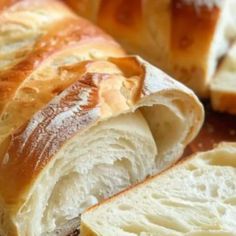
x=188 y=27
x=21 y=26
x=124 y=15
x=94 y=97
x=21 y=94
x=189 y=52
x=50 y=102
x=66 y=33
x=7 y=3
x=32 y=146
x=123 y=20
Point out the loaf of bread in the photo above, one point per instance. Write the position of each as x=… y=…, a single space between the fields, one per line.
x=195 y=198
x=223 y=86
x=79 y=120
x=185 y=38
x=37 y=39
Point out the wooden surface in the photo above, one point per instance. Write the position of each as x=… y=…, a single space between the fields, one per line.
x=217 y=127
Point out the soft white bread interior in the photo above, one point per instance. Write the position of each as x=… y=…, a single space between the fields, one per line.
x=115 y=154
x=121 y=121
x=196 y=197
x=223 y=86
x=79 y=121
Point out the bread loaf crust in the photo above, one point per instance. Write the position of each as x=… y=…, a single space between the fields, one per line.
x=69 y=77
x=158 y=30
x=24 y=86
x=79 y=107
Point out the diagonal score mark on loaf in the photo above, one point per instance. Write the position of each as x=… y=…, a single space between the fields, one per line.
x=22 y=24
x=121 y=150
x=34 y=81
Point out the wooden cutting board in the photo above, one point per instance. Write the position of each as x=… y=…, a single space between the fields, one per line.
x=217 y=127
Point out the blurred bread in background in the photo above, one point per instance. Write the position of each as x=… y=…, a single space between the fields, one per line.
x=223 y=86
x=186 y=38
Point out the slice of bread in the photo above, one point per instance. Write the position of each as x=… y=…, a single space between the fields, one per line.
x=195 y=198
x=223 y=86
